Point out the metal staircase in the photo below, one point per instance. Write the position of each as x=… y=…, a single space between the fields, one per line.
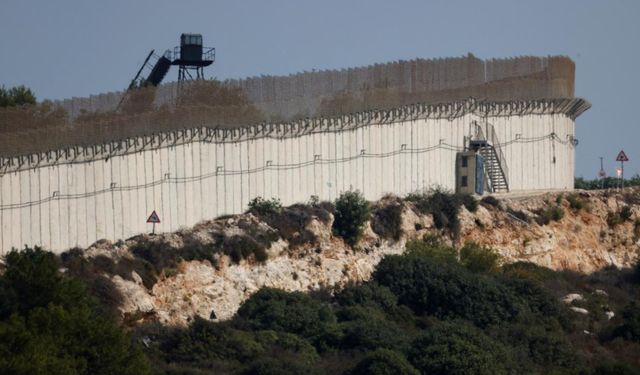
x=157 y=72
x=485 y=142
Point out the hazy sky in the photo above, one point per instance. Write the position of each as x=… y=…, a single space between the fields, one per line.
x=75 y=48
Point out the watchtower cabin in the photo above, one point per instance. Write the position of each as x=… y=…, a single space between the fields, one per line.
x=192 y=56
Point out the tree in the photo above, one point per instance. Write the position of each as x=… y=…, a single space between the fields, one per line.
x=447 y=290
x=352 y=211
x=49 y=324
x=479 y=258
x=384 y=362
x=458 y=348
x=16 y=96
x=630 y=328
x=278 y=310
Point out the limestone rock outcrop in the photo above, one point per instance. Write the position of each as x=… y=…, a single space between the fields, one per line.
x=584 y=239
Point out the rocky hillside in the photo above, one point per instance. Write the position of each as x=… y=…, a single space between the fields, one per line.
x=210 y=269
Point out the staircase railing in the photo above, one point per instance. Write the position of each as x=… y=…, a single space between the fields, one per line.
x=492 y=140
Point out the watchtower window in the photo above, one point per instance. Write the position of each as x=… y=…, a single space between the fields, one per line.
x=465 y=161
x=463 y=181
x=191 y=40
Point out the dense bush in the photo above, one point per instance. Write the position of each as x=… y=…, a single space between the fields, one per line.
x=447 y=290
x=443 y=206
x=293 y=312
x=605 y=183
x=432 y=248
x=441 y=314
x=549 y=214
x=352 y=212
x=387 y=221
x=527 y=270
x=49 y=324
x=625 y=213
x=31 y=280
x=16 y=96
x=630 y=328
x=369 y=328
x=92 y=273
x=575 y=202
x=490 y=200
x=265 y=207
x=384 y=362
x=291 y=223
x=537 y=345
x=479 y=258
x=458 y=348
x=613 y=219
x=368 y=294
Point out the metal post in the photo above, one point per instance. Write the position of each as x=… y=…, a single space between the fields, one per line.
x=602 y=175
x=622 y=174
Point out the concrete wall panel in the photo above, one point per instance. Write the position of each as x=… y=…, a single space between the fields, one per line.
x=74 y=204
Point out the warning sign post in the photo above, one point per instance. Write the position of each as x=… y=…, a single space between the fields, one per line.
x=622 y=157
x=153 y=218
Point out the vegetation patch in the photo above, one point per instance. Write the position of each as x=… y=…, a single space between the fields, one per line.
x=386 y=220
x=549 y=214
x=490 y=201
x=351 y=213
x=265 y=207
x=575 y=202
x=444 y=207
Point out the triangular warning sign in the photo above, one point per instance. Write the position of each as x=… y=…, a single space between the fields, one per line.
x=622 y=156
x=153 y=218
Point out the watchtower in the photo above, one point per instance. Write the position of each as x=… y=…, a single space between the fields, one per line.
x=191 y=56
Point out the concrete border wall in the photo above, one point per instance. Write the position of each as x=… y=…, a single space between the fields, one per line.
x=523 y=77
x=76 y=196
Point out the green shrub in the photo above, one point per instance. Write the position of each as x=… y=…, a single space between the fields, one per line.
x=91 y=273
x=575 y=202
x=293 y=312
x=539 y=301
x=559 y=199
x=630 y=328
x=443 y=206
x=458 y=348
x=490 y=200
x=613 y=219
x=206 y=341
x=387 y=221
x=433 y=249
x=625 y=213
x=352 y=212
x=479 y=258
x=468 y=201
x=291 y=223
x=537 y=344
x=240 y=247
x=384 y=362
x=446 y=290
x=265 y=207
x=49 y=324
x=551 y=213
x=527 y=270
x=367 y=294
x=369 y=328
x=31 y=280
